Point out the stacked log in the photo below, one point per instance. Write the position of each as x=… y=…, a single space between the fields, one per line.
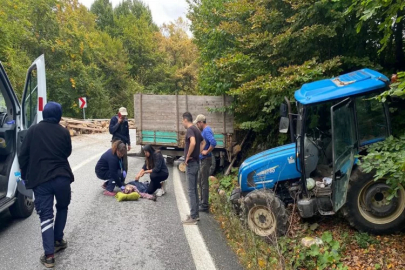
x=78 y=126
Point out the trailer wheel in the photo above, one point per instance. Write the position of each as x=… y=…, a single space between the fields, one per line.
x=265 y=213
x=368 y=209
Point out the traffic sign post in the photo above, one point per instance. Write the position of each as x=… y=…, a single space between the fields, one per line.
x=83 y=105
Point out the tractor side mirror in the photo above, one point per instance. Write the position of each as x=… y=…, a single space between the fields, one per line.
x=284 y=124
x=283 y=110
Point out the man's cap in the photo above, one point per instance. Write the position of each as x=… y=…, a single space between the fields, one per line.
x=200 y=118
x=123 y=111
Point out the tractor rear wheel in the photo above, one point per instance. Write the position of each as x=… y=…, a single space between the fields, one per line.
x=265 y=213
x=368 y=208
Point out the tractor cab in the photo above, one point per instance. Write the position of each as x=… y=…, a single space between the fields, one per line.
x=336 y=119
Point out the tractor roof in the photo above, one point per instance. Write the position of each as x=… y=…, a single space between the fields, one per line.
x=354 y=83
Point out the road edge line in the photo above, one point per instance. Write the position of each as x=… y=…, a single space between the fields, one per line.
x=201 y=256
x=85 y=162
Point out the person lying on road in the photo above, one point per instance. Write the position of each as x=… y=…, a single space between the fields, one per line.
x=131 y=187
x=155 y=165
x=110 y=168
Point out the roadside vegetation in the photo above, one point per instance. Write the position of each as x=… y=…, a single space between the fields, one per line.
x=105 y=54
x=343 y=247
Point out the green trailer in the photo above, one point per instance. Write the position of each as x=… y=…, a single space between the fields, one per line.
x=158 y=121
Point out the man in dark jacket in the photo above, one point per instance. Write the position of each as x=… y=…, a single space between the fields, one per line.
x=119 y=129
x=44 y=166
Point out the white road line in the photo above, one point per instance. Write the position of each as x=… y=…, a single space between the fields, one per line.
x=85 y=162
x=201 y=256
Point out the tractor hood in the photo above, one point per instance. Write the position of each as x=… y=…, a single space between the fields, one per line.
x=267 y=168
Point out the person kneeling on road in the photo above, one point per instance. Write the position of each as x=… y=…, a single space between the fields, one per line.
x=110 y=168
x=155 y=165
x=45 y=167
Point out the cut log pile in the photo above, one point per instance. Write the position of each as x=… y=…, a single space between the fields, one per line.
x=77 y=126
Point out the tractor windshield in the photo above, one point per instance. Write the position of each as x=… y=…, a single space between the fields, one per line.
x=371 y=120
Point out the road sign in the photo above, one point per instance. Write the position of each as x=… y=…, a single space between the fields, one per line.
x=82 y=102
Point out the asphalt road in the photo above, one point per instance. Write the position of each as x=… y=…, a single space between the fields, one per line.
x=105 y=234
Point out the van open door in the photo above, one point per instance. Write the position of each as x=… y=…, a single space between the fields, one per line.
x=32 y=105
x=34 y=97
x=345 y=145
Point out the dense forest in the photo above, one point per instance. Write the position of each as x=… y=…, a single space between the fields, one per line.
x=106 y=54
x=262 y=50
x=257 y=51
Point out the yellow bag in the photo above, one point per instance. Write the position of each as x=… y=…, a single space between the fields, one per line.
x=120 y=196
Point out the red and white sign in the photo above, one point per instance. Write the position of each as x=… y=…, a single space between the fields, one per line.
x=82 y=102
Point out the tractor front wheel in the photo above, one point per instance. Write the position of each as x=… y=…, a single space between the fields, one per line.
x=265 y=213
x=368 y=208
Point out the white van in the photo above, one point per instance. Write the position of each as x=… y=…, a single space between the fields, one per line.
x=15 y=119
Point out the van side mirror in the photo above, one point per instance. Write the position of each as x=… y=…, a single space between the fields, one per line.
x=283 y=110
x=284 y=124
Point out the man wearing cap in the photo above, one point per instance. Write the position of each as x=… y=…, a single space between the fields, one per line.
x=205 y=160
x=119 y=129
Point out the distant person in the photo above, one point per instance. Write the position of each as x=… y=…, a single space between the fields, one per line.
x=205 y=160
x=119 y=129
x=155 y=165
x=45 y=167
x=110 y=168
x=192 y=151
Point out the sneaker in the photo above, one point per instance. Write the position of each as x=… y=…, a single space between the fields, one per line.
x=190 y=221
x=48 y=262
x=60 y=245
x=109 y=193
x=159 y=192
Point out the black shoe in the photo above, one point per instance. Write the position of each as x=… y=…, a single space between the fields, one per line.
x=60 y=245
x=203 y=209
x=47 y=262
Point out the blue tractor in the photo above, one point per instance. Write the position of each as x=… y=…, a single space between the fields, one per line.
x=336 y=119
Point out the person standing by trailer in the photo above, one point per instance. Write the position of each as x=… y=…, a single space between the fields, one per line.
x=110 y=168
x=205 y=160
x=192 y=152
x=119 y=129
x=45 y=167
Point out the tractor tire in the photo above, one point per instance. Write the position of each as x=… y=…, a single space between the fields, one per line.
x=367 y=208
x=265 y=213
x=23 y=207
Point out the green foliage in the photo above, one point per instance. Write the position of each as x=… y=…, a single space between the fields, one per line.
x=388 y=13
x=387 y=158
x=319 y=257
x=260 y=51
x=364 y=240
x=106 y=54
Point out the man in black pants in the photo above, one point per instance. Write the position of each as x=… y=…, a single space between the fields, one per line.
x=119 y=129
x=44 y=165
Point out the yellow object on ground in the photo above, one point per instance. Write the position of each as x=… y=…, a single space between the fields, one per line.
x=134 y=196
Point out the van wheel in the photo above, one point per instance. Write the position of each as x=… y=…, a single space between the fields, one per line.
x=368 y=209
x=23 y=207
x=265 y=213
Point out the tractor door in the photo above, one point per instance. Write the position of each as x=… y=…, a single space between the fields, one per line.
x=345 y=145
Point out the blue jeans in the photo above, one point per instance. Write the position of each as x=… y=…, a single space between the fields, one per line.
x=44 y=196
x=192 y=179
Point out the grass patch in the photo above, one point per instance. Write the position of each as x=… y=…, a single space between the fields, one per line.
x=343 y=248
